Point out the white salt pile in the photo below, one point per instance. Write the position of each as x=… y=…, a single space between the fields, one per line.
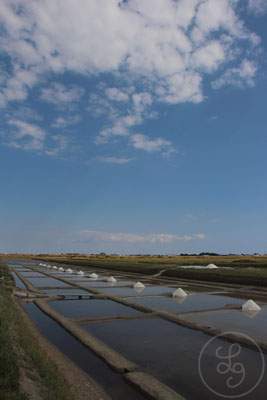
x=93 y=275
x=69 y=270
x=80 y=273
x=250 y=305
x=139 y=285
x=211 y=266
x=179 y=293
x=61 y=269
x=111 y=279
x=54 y=267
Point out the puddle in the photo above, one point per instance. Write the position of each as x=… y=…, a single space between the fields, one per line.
x=18 y=282
x=46 y=282
x=254 y=326
x=112 y=382
x=189 y=303
x=67 y=292
x=170 y=353
x=147 y=291
x=91 y=308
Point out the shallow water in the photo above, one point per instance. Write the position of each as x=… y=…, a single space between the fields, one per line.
x=39 y=282
x=105 y=283
x=189 y=303
x=91 y=308
x=32 y=274
x=18 y=281
x=112 y=382
x=235 y=320
x=171 y=352
x=148 y=290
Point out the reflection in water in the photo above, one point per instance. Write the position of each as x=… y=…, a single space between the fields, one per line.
x=250 y=313
x=139 y=289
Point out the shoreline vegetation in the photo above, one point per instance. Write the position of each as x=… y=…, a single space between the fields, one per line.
x=26 y=372
x=245 y=270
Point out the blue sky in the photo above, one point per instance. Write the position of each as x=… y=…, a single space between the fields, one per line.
x=133 y=126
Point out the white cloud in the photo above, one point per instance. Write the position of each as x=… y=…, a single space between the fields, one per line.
x=26 y=136
x=59 y=94
x=26 y=113
x=116 y=94
x=31 y=137
x=61 y=122
x=142 y=142
x=61 y=144
x=240 y=76
x=257 y=6
x=166 y=47
x=134 y=238
x=149 y=39
x=199 y=236
x=115 y=160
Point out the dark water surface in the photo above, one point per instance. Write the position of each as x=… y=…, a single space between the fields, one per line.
x=91 y=308
x=254 y=325
x=18 y=281
x=171 y=352
x=112 y=382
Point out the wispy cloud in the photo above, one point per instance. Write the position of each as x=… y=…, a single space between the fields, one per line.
x=257 y=6
x=63 y=122
x=26 y=136
x=150 y=146
x=59 y=94
x=135 y=238
x=115 y=160
x=240 y=76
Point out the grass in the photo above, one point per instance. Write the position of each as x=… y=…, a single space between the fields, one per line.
x=253 y=277
x=247 y=270
x=19 y=348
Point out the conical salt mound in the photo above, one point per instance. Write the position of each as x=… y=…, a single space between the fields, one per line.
x=69 y=270
x=179 y=293
x=250 y=305
x=61 y=269
x=54 y=267
x=111 y=279
x=80 y=273
x=93 y=275
x=139 y=285
x=211 y=266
